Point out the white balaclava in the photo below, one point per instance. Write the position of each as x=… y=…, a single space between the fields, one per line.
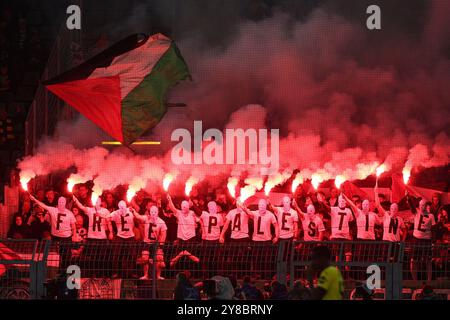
x=422 y=206
x=122 y=206
x=366 y=206
x=212 y=207
x=342 y=203
x=311 y=211
x=61 y=204
x=185 y=206
x=286 y=204
x=262 y=206
x=393 y=210
x=154 y=212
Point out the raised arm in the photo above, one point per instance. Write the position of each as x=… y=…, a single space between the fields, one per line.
x=410 y=203
x=321 y=200
x=79 y=205
x=137 y=216
x=172 y=206
x=300 y=213
x=246 y=210
x=39 y=203
x=134 y=205
x=352 y=205
x=377 y=202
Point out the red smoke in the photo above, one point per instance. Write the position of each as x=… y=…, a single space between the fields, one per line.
x=344 y=104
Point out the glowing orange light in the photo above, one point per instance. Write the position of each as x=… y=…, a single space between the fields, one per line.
x=189 y=184
x=130 y=194
x=231 y=185
x=339 y=180
x=296 y=182
x=24 y=183
x=168 y=178
x=406 y=174
x=94 y=197
x=316 y=179
x=380 y=170
x=246 y=192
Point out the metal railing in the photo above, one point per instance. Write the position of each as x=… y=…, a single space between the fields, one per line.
x=136 y=270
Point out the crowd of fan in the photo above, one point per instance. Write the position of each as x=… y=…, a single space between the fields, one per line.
x=210 y=218
x=32 y=222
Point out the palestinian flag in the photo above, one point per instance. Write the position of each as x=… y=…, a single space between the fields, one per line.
x=123 y=89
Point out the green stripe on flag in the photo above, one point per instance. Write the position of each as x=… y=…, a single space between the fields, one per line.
x=144 y=107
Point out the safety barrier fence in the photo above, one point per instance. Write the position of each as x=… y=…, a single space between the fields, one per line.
x=30 y=269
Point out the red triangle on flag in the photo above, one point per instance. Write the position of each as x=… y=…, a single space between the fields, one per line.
x=399 y=188
x=350 y=190
x=97 y=99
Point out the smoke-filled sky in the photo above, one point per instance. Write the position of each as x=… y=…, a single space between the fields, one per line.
x=343 y=97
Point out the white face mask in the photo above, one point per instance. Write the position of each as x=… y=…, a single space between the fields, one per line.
x=262 y=206
x=154 y=212
x=422 y=205
x=393 y=210
x=122 y=206
x=310 y=211
x=366 y=206
x=61 y=204
x=212 y=207
x=286 y=204
x=185 y=206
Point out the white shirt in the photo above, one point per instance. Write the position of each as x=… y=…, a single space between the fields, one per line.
x=261 y=225
x=61 y=222
x=187 y=223
x=124 y=223
x=97 y=223
x=211 y=225
x=286 y=222
x=340 y=219
x=312 y=227
x=392 y=228
x=153 y=228
x=238 y=223
x=365 y=223
x=422 y=225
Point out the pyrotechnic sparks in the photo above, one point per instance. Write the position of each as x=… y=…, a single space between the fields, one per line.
x=339 y=180
x=246 y=192
x=73 y=180
x=316 y=180
x=231 y=185
x=296 y=182
x=168 y=178
x=25 y=177
x=406 y=174
x=380 y=170
x=94 y=197
x=24 y=183
x=256 y=182
x=189 y=184
x=276 y=179
x=130 y=194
